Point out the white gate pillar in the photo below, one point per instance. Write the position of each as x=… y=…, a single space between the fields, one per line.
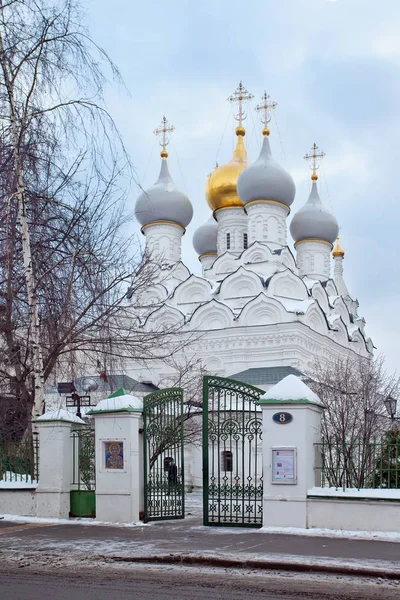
x=291 y=428
x=119 y=458
x=55 y=462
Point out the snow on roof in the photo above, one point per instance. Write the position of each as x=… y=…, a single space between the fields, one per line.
x=61 y=414
x=291 y=388
x=119 y=402
x=296 y=306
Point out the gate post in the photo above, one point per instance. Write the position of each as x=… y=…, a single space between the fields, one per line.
x=119 y=458
x=55 y=463
x=291 y=427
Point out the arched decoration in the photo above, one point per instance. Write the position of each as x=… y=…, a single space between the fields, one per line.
x=341 y=309
x=226 y=263
x=192 y=290
x=241 y=284
x=263 y=310
x=358 y=342
x=315 y=319
x=287 y=258
x=151 y=296
x=213 y=364
x=179 y=272
x=164 y=318
x=319 y=293
x=212 y=315
x=331 y=288
x=288 y=285
x=340 y=333
x=256 y=253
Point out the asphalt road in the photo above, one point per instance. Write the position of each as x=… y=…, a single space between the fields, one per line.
x=154 y=583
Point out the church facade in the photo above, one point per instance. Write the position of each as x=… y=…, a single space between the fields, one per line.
x=257 y=304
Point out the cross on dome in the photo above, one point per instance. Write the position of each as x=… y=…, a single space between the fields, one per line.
x=164 y=129
x=240 y=95
x=266 y=109
x=315 y=156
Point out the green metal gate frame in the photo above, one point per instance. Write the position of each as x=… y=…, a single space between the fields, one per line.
x=163 y=442
x=83 y=494
x=231 y=422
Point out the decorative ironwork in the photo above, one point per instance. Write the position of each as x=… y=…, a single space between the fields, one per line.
x=232 y=453
x=314 y=157
x=163 y=421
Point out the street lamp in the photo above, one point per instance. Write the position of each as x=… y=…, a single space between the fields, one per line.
x=391 y=407
x=77 y=400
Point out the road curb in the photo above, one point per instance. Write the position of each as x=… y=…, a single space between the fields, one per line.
x=269 y=565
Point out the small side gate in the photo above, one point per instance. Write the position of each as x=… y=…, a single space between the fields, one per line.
x=232 y=453
x=83 y=485
x=163 y=432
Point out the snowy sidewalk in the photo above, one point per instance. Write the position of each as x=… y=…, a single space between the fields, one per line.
x=188 y=542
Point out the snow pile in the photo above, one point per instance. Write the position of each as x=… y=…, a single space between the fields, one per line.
x=16 y=481
x=125 y=402
x=289 y=389
x=329 y=492
x=61 y=414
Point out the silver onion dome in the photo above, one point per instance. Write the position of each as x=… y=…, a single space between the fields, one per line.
x=314 y=220
x=205 y=237
x=163 y=202
x=265 y=179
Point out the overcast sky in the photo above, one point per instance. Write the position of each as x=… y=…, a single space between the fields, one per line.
x=334 y=69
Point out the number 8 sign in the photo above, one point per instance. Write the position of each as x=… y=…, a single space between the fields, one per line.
x=282 y=418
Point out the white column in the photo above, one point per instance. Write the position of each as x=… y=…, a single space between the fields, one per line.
x=314 y=259
x=285 y=499
x=55 y=466
x=267 y=222
x=119 y=483
x=232 y=225
x=164 y=241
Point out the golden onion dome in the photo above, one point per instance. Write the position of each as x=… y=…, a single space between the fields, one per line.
x=338 y=252
x=221 y=189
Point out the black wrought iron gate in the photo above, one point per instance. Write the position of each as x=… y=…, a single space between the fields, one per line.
x=164 y=486
x=232 y=453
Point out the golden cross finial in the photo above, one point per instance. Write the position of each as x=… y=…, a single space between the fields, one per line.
x=240 y=95
x=315 y=156
x=164 y=129
x=266 y=109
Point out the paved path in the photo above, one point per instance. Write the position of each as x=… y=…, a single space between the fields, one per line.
x=190 y=539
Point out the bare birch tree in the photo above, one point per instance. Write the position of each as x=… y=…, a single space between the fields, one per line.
x=66 y=265
x=353 y=392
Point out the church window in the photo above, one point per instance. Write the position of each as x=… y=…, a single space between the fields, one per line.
x=228 y=241
x=227 y=461
x=245 y=241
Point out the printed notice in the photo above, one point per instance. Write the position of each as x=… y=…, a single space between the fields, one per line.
x=283 y=466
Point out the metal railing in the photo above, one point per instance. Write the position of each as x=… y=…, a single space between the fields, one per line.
x=83 y=460
x=19 y=461
x=360 y=464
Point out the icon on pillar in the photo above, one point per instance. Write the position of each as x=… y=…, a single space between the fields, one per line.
x=114 y=455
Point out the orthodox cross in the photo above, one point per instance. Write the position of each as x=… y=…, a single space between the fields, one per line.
x=315 y=156
x=240 y=95
x=266 y=108
x=164 y=129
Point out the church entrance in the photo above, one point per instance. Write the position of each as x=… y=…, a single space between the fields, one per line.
x=163 y=437
x=232 y=453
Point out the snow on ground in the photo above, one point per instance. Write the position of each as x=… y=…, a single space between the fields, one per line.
x=382 y=494
x=18 y=481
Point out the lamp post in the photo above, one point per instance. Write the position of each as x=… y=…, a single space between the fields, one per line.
x=391 y=408
x=76 y=400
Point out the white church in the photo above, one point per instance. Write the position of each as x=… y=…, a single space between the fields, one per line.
x=260 y=311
